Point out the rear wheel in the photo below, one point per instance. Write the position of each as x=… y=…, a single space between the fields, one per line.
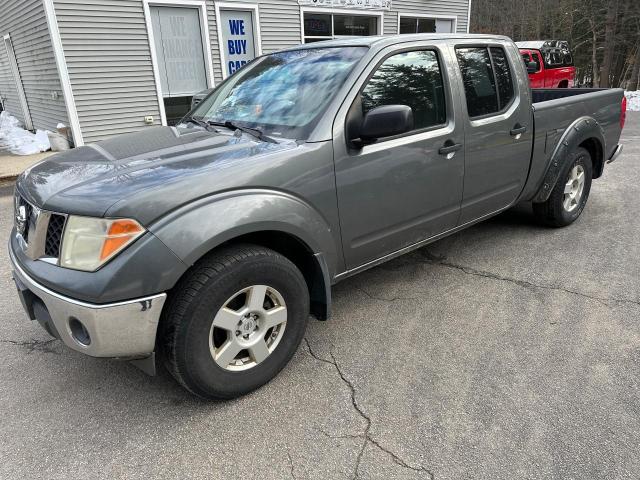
x=234 y=321
x=569 y=196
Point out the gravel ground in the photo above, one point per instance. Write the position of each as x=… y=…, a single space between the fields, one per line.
x=505 y=351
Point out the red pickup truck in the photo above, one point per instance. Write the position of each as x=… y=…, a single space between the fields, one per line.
x=553 y=63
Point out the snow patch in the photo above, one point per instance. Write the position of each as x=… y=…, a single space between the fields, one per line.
x=633 y=101
x=18 y=140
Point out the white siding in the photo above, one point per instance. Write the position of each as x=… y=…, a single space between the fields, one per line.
x=109 y=61
x=26 y=22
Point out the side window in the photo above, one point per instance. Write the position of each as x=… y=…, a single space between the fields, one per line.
x=503 y=76
x=479 y=81
x=487 y=79
x=536 y=58
x=409 y=78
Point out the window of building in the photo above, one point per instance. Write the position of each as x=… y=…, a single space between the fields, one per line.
x=325 y=26
x=181 y=61
x=487 y=79
x=417 y=25
x=413 y=24
x=409 y=78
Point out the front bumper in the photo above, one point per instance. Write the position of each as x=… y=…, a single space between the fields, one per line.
x=122 y=329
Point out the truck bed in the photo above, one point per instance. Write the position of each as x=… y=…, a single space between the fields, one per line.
x=539 y=95
x=554 y=110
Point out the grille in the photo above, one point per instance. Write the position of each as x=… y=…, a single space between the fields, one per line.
x=40 y=230
x=54 y=235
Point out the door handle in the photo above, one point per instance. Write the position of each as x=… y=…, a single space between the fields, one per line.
x=449 y=147
x=518 y=130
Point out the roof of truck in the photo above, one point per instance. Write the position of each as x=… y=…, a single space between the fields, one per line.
x=382 y=41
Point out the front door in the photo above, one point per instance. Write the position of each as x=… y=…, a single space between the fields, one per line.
x=498 y=131
x=177 y=34
x=401 y=190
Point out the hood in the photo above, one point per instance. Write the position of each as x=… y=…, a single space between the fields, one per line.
x=178 y=163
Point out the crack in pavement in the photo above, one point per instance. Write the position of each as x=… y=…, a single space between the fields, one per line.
x=35 y=345
x=365 y=435
x=431 y=259
x=293 y=472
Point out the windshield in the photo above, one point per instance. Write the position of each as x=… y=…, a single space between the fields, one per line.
x=284 y=93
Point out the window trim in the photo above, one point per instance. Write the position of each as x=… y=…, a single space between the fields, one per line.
x=339 y=11
x=454 y=19
x=514 y=82
x=445 y=86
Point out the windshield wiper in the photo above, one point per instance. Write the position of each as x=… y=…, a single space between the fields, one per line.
x=206 y=125
x=256 y=132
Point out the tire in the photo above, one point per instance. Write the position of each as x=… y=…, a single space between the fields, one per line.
x=554 y=212
x=233 y=277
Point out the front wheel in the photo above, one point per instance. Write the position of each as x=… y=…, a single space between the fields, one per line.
x=569 y=196
x=234 y=321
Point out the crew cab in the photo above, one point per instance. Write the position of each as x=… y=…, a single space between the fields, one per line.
x=205 y=247
x=550 y=63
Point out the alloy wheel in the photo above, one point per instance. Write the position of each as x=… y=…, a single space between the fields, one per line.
x=248 y=328
x=573 y=188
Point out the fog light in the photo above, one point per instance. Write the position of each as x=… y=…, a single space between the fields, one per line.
x=79 y=332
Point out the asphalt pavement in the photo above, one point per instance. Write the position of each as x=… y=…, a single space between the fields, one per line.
x=507 y=351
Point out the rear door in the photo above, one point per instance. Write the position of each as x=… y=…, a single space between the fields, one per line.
x=498 y=133
x=401 y=190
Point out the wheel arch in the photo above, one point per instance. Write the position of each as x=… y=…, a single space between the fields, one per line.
x=312 y=265
x=584 y=132
x=273 y=220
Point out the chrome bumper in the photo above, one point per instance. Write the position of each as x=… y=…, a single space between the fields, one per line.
x=616 y=153
x=122 y=329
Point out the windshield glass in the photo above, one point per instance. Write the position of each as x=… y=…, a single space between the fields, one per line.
x=284 y=93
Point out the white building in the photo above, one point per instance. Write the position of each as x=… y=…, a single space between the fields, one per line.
x=106 y=67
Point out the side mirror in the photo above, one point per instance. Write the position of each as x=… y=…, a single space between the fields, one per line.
x=532 y=67
x=386 y=121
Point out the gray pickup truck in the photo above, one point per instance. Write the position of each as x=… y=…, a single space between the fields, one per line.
x=205 y=247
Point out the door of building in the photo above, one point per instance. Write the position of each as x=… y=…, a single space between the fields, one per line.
x=13 y=62
x=177 y=35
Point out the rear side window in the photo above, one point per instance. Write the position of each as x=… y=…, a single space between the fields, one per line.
x=479 y=81
x=503 y=76
x=409 y=78
x=487 y=79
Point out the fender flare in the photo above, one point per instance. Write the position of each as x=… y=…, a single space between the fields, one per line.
x=195 y=229
x=582 y=129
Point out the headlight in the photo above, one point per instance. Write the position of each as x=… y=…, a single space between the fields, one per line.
x=88 y=243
